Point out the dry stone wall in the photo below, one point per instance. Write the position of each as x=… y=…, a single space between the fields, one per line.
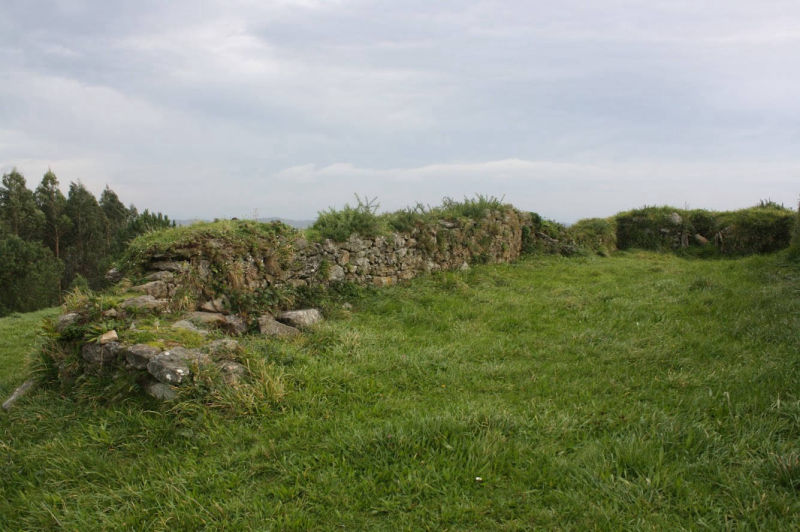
x=209 y=279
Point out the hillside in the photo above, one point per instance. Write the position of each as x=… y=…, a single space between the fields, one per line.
x=637 y=391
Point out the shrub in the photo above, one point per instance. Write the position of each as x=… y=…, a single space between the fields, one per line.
x=656 y=228
x=338 y=225
x=595 y=235
x=475 y=208
x=760 y=229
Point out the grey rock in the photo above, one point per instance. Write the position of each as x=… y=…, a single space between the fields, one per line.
x=675 y=218
x=146 y=302
x=19 y=393
x=232 y=372
x=113 y=275
x=268 y=326
x=174 y=366
x=157 y=289
x=110 y=313
x=188 y=326
x=205 y=318
x=139 y=355
x=215 y=305
x=336 y=273
x=235 y=324
x=100 y=354
x=464 y=266
x=300 y=318
x=161 y=391
x=65 y=320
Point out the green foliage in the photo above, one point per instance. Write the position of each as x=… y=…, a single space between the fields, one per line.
x=18 y=210
x=475 y=208
x=794 y=247
x=760 y=229
x=595 y=235
x=29 y=275
x=217 y=240
x=338 y=225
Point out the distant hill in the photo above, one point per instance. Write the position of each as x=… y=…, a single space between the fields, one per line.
x=298 y=224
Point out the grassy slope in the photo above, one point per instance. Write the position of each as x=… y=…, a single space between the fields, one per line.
x=17 y=341
x=640 y=391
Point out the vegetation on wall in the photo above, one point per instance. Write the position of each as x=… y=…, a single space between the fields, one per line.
x=50 y=240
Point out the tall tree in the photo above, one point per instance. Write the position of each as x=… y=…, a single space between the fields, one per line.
x=18 y=208
x=117 y=217
x=87 y=252
x=53 y=204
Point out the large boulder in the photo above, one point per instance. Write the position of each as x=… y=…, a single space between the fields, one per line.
x=269 y=326
x=66 y=320
x=301 y=318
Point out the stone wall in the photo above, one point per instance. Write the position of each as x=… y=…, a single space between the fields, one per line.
x=207 y=272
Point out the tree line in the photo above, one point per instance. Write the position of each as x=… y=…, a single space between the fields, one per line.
x=50 y=242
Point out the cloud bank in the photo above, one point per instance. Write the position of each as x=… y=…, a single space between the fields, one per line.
x=215 y=109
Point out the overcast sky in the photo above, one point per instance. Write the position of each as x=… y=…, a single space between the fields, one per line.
x=571 y=108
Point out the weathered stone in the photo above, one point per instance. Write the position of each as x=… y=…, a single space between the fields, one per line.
x=300 y=318
x=300 y=244
x=675 y=218
x=146 y=302
x=160 y=276
x=110 y=313
x=139 y=355
x=218 y=304
x=232 y=372
x=700 y=239
x=65 y=320
x=206 y=318
x=235 y=324
x=161 y=391
x=20 y=392
x=336 y=273
x=223 y=347
x=157 y=289
x=169 y=266
x=188 y=326
x=100 y=354
x=174 y=366
x=109 y=336
x=464 y=266
x=113 y=275
x=268 y=326
x=384 y=281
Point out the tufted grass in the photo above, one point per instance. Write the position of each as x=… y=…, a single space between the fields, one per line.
x=641 y=391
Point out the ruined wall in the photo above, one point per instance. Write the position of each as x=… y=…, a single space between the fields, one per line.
x=201 y=272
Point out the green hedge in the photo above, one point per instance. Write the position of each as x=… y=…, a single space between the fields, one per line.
x=29 y=275
x=760 y=229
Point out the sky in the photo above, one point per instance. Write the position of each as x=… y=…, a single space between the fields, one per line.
x=252 y=108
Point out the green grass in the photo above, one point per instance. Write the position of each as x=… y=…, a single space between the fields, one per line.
x=18 y=341
x=641 y=391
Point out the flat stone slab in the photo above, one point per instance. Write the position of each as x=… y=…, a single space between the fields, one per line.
x=146 y=302
x=269 y=326
x=19 y=393
x=65 y=320
x=205 y=318
x=139 y=355
x=235 y=324
x=300 y=318
x=223 y=346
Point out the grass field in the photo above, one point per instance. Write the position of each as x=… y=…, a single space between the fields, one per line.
x=641 y=391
